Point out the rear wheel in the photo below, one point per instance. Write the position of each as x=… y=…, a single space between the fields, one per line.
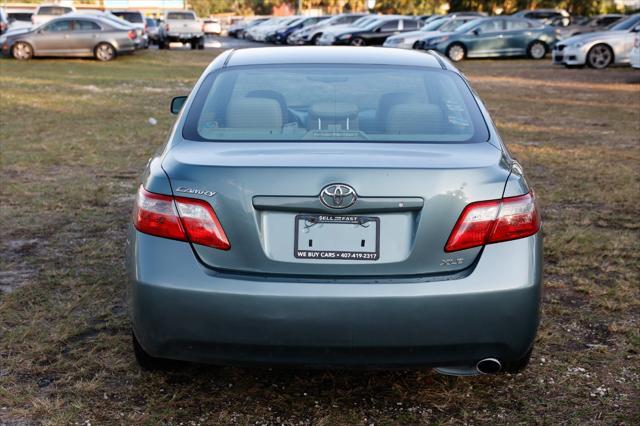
x=600 y=56
x=315 y=39
x=104 y=52
x=22 y=51
x=144 y=360
x=537 y=50
x=358 y=42
x=200 y=44
x=456 y=52
x=518 y=365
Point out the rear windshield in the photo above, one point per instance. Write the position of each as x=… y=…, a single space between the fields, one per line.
x=134 y=17
x=20 y=16
x=335 y=103
x=53 y=10
x=181 y=16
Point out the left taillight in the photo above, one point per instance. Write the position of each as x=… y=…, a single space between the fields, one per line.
x=179 y=218
x=494 y=221
x=132 y=34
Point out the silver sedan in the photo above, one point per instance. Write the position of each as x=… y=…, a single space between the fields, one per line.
x=71 y=35
x=600 y=49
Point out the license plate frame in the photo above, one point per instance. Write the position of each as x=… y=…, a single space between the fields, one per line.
x=337 y=253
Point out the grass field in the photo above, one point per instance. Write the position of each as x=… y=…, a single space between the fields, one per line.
x=75 y=134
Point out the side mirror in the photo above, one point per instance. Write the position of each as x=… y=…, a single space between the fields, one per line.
x=176 y=104
x=476 y=31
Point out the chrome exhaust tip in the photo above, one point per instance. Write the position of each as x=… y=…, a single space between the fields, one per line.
x=488 y=366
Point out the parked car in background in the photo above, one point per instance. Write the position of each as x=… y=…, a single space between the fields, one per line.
x=238 y=28
x=182 y=26
x=599 y=49
x=596 y=23
x=409 y=39
x=282 y=35
x=4 y=22
x=71 y=35
x=287 y=221
x=455 y=15
x=261 y=31
x=20 y=18
x=494 y=37
x=546 y=16
x=153 y=30
x=312 y=33
x=212 y=26
x=46 y=12
x=138 y=21
x=634 y=56
x=373 y=34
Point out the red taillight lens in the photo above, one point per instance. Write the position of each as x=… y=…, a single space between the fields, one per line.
x=132 y=34
x=487 y=222
x=201 y=223
x=156 y=214
x=183 y=219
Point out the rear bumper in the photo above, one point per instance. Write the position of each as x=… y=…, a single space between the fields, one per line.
x=183 y=310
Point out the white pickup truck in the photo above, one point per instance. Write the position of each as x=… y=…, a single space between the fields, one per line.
x=184 y=27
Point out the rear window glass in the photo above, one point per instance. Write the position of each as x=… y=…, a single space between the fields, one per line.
x=53 y=10
x=130 y=17
x=20 y=16
x=184 y=16
x=335 y=103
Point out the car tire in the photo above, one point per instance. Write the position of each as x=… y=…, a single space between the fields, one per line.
x=358 y=41
x=314 y=40
x=518 y=365
x=456 y=52
x=600 y=56
x=537 y=50
x=146 y=361
x=22 y=51
x=200 y=44
x=104 y=52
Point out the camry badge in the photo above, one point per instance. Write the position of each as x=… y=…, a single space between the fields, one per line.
x=338 y=196
x=195 y=191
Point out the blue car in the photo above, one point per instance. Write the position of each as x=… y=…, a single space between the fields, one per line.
x=494 y=37
x=282 y=35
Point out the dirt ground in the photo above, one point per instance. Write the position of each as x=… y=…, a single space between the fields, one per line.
x=75 y=134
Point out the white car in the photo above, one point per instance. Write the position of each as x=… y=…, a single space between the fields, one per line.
x=19 y=18
x=212 y=26
x=46 y=12
x=634 y=56
x=600 y=49
x=260 y=31
x=137 y=20
x=434 y=28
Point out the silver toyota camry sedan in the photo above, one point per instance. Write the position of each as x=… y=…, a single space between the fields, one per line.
x=335 y=207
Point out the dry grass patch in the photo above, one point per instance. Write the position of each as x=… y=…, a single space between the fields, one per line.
x=75 y=134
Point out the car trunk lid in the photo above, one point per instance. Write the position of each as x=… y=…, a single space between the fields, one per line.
x=267 y=198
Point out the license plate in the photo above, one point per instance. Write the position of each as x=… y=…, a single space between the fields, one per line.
x=324 y=237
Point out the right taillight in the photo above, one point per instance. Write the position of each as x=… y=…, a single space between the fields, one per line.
x=132 y=34
x=180 y=218
x=487 y=222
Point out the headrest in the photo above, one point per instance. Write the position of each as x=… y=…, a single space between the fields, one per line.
x=415 y=118
x=254 y=113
